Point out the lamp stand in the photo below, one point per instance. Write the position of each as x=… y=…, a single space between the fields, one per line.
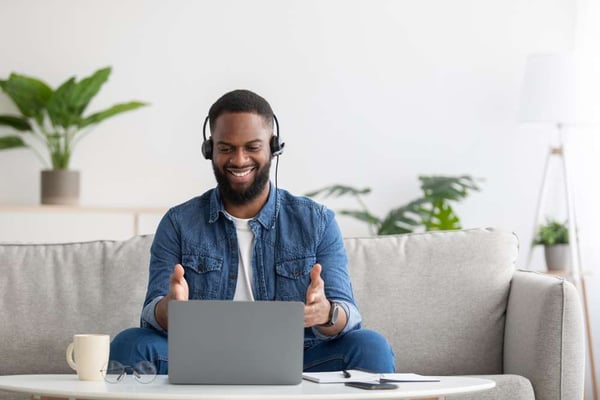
x=575 y=273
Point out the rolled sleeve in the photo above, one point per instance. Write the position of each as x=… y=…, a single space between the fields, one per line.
x=149 y=318
x=331 y=254
x=353 y=321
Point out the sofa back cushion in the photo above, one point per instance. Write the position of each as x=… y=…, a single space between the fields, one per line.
x=440 y=297
x=52 y=291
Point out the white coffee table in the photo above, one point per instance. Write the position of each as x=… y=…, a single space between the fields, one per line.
x=68 y=386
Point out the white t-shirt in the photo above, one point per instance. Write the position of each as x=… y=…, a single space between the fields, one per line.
x=245 y=237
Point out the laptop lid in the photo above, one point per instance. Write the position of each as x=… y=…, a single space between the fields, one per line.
x=236 y=342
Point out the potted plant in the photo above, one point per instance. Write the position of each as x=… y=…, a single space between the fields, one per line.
x=432 y=211
x=554 y=236
x=51 y=124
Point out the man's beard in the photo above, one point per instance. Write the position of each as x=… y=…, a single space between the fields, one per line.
x=237 y=197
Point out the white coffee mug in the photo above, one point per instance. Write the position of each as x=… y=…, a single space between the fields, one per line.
x=88 y=354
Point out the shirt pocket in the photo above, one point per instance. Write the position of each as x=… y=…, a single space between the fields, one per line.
x=203 y=275
x=292 y=279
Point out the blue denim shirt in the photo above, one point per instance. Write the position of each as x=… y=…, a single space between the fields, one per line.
x=291 y=235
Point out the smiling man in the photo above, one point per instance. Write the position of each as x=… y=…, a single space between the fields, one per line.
x=248 y=240
x=242 y=161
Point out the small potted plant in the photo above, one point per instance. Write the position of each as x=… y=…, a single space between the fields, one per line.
x=51 y=124
x=554 y=236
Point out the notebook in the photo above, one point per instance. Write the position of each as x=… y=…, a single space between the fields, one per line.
x=236 y=342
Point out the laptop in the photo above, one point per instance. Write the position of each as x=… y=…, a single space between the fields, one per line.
x=236 y=342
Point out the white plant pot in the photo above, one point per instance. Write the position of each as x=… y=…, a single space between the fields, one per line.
x=557 y=257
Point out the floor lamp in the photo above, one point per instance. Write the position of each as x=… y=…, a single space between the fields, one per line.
x=548 y=96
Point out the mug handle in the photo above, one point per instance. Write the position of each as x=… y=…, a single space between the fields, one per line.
x=70 y=359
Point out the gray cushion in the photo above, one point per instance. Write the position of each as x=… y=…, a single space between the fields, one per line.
x=544 y=335
x=4 y=395
x=53 y=291
x=439 y=297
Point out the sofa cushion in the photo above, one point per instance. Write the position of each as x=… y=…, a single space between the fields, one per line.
x=439 y=297
x=52 y=291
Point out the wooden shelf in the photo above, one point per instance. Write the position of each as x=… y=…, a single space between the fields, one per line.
x=136 y=212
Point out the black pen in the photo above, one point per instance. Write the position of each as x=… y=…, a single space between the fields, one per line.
x=346 y=374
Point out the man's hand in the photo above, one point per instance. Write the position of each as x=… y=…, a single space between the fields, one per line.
x=178 y=287
x=178 y=290
x=316 y=310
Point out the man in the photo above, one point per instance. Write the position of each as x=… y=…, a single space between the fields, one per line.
x=247 y=240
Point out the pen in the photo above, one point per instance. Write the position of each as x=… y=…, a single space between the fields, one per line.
x=346 y=373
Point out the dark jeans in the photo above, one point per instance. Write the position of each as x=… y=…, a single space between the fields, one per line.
x=358 y=349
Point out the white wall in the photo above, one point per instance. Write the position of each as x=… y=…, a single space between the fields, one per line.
x=368 y=93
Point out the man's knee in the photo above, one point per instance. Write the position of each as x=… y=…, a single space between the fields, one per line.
x=372 y=349
x=137 y=344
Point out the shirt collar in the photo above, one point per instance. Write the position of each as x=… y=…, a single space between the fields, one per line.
x=266 y=216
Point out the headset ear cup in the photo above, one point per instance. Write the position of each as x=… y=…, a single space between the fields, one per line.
x=207 y=148
x=276 y=146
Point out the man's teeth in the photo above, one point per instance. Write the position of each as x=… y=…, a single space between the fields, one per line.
x=240 y=173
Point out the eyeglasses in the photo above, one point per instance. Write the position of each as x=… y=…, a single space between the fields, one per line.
x=143 y=372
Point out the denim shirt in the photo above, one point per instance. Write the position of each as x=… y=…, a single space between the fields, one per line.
x=291 y=235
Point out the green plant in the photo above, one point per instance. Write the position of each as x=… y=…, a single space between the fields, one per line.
x=551 y=233
x=431 y=211
x=54 y=118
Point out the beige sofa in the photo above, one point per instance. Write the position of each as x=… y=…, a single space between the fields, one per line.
x=451 y=303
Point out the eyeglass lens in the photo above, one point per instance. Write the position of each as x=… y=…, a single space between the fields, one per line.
x=143 y=371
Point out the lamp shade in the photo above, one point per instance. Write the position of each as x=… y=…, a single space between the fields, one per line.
x=548 y=93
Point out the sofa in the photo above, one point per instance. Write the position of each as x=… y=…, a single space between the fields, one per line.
x=450 y=303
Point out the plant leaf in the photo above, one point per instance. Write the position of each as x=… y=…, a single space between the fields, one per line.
x=60 y=109
x=84 y=91
x=30 y=95
x=404 y=219
x=447 y=187
x=363 y=216
x=70 y=99
x=338 y=190
x=551 y=233
x=443 y=218
x=109 y=112
x=18 y=123
x=11 y=142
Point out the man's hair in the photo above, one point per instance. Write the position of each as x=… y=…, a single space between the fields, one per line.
x=241 y=101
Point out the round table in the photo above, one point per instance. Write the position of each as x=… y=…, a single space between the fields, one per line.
x=69 y=386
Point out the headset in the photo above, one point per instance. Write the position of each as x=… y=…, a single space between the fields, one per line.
x=275 y=143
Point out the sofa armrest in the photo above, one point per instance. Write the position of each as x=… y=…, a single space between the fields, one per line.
x=544 y=339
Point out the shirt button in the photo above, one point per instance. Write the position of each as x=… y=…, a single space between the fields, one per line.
x=232 y=244
x=232 y=276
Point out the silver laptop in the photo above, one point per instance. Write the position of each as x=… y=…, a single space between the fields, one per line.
x=236 y=342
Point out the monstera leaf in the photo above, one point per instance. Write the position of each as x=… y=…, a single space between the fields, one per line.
x=432 y=211
x=442 y=217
